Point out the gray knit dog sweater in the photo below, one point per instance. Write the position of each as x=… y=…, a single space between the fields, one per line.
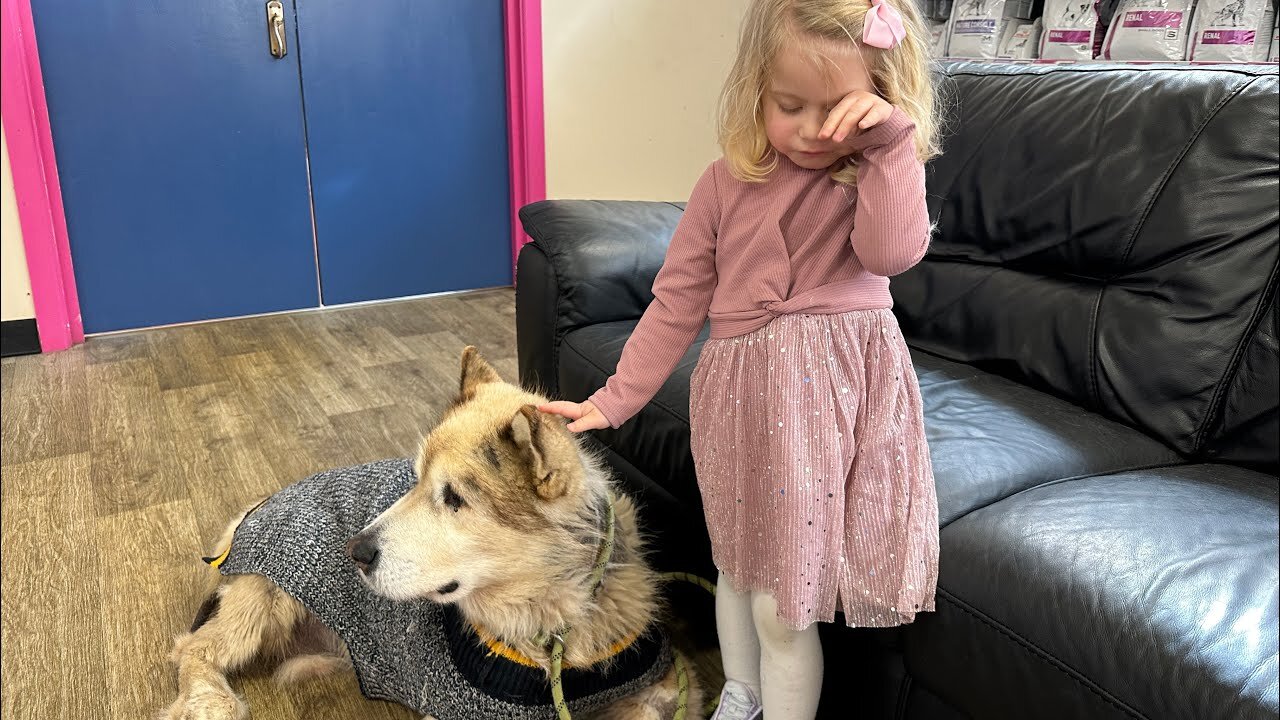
x=419 y=654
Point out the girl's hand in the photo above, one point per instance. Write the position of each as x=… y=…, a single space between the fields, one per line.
x=585 y=416
x=858 y=111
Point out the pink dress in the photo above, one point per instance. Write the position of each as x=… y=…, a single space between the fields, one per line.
x=807 y=429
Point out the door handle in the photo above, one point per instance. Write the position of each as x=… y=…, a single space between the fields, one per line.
x=275 y=28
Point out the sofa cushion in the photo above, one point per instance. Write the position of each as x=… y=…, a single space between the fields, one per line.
x=989 y=437
x=1107 y=232
x=1148 y=594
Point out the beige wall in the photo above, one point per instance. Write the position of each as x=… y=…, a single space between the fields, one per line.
x=15 y=284
x=630 y=93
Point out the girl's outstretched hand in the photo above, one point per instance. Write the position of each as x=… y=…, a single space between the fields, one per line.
x=858 y=111
x=585 y=416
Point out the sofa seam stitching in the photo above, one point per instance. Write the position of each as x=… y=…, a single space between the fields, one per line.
x=1072 y=478
x=1169 y=172
x=1049 y=70
x=1044 y=655
x=538 y=239
x=1237 y=359
x=904 y=693
x=555 y=342
x=1095 y=391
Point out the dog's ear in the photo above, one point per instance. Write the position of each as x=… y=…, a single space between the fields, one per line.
x=531 y=433
x=475 y=372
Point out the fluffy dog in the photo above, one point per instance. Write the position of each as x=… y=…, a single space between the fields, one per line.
x=445 y=582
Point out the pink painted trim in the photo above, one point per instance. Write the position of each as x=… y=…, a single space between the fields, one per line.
x=526 y=131
x=35 y=182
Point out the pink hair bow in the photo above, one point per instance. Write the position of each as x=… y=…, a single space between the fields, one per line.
x=883 y=26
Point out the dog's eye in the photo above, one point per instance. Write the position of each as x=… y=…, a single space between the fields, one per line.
x=452 y=498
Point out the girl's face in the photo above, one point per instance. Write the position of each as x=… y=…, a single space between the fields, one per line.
x=801 y=92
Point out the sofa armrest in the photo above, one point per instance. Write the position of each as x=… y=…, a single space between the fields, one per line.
x=590 y=262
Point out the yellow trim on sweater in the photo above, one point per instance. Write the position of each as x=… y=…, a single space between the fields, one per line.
x=216 y=561
x=501 y=649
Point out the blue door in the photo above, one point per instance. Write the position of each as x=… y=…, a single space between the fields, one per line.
x=406 y=129
x=181 y=151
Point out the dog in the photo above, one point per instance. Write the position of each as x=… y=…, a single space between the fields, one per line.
x=1072 y=14
x=502 y=547
x=973 y=8
x=1229 y=15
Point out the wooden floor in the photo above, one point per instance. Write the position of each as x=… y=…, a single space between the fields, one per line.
x=124 y=457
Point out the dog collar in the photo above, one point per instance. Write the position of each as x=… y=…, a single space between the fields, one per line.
x=502 y=672
x=503 y=650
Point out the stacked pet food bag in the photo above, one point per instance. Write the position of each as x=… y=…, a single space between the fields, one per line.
x=1218 y=31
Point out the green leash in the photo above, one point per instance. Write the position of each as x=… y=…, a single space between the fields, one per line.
x=710 y=587
x=701 y=582
x=603 y=556
x=557 y=688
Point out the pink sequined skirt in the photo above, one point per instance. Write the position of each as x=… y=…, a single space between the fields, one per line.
x=809 y=443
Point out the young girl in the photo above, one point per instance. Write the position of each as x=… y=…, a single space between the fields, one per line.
x=806 y=417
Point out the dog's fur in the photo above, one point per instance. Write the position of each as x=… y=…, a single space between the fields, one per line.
x=504 y=521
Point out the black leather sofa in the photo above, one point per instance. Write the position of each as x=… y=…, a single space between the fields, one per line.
x=1095 y=331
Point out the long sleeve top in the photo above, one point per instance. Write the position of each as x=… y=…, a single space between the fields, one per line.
x=800 y=242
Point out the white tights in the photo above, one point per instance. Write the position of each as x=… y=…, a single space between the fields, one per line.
x=783 y=667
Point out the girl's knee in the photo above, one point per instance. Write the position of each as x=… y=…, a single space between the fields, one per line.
x=769 y=627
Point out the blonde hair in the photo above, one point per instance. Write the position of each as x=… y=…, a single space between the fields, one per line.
x=900 y=75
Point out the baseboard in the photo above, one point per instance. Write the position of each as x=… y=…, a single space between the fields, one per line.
x=19 y=337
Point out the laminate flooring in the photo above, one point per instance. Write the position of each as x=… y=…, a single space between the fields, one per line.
x=123 y=459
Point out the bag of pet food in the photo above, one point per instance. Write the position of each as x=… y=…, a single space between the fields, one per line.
x=938 y=9
x=939 y=34
x=1149 y=30
x=1021 y=40
x=1231 y=30
x=976 y=28
x=1274 y=55
x=1072 y=30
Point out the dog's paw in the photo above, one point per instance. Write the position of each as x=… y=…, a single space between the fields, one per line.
x=205 y=701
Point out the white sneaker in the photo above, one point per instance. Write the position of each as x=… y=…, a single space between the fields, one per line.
x=737 y=702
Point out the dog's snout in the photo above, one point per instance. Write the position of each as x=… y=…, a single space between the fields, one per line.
x=363 y=550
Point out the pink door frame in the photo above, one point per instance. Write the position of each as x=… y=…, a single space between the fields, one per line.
x=35 y=182
x=39 y=194
x=525 y=123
